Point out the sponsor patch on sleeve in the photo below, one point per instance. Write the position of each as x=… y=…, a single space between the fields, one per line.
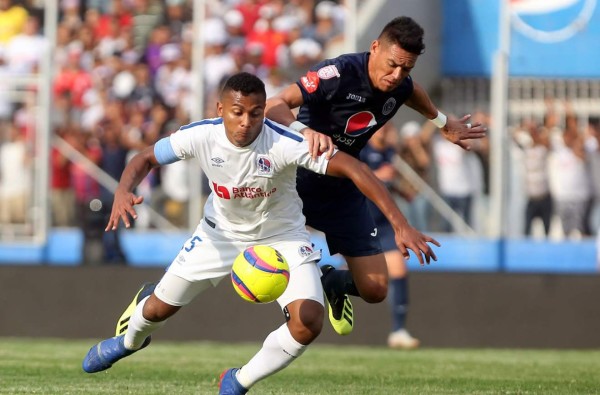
x=310 y=81
x=328 y=72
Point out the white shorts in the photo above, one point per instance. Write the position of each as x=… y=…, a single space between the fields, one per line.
x=206 y=258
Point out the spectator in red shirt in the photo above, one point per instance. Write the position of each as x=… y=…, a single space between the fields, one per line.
x=249 y=10
x=62 y=197
x=75 y=81
x=120 y=14
x=265 y=34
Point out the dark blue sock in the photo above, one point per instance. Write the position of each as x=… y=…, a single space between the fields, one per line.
x=398 y=299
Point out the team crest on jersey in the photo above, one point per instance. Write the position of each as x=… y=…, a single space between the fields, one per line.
x=328 y=72
x=389 y=106
x=265 y=167
x=360 y=123
x=310 y=81
x=305 y=250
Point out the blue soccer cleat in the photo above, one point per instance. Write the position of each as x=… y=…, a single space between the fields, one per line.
x=229 y=385
x=104 y=354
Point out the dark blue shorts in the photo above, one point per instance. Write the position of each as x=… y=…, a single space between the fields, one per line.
x=385 y=232
x=337 y=208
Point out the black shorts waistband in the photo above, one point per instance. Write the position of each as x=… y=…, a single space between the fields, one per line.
x=210 y=223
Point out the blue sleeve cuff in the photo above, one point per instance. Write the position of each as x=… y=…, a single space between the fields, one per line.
x=163 y=151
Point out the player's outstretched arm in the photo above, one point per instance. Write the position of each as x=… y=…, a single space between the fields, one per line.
x=135 y=171
x=454 y=130
x=407 y=237
x=279 y=109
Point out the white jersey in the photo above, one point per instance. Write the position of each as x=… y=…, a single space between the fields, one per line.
x=253 y=188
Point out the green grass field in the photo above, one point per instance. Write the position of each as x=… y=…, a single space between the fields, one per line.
x=34 y=366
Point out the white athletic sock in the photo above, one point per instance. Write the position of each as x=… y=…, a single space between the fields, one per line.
x=139 y=327
x=278 y=351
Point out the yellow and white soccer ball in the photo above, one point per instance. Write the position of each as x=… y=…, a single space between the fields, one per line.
x=260 y=274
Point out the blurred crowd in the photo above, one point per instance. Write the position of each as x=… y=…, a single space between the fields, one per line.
x=460 y=177
x=123 y=79
x=553 y=183
x=560 y=158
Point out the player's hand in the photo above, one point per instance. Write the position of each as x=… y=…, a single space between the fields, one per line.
x=409 y=238
x=318 y=143
x=457 y=130
x=122 y=209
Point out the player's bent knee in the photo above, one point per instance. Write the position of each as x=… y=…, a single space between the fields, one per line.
x=306 y=332
x=374 y=292
x=306 y=322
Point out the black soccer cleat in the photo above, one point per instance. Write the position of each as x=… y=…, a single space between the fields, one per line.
x=123 y=322
x=341 y=314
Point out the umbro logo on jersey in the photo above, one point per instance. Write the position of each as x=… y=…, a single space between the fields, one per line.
x=217 y=161
x=352 y=96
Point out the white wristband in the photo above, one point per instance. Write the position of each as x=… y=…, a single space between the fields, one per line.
x=440 y=120
x=297 y=126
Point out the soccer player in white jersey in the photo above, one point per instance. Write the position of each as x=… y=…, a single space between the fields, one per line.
x=251 y=164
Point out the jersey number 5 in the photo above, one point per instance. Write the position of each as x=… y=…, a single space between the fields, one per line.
x=192 y=243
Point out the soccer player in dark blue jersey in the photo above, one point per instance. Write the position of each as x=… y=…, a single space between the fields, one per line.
x=344 y=101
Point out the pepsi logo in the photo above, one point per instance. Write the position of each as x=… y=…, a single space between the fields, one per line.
x=360 y=123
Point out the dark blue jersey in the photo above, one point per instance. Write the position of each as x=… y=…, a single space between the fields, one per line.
x=340 y=102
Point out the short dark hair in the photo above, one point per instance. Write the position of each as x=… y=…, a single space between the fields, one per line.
x=245 y=83
x=405 y=32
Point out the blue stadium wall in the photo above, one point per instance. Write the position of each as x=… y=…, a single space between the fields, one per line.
x=446 y=309
x=480 y=293
x=457 y=254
